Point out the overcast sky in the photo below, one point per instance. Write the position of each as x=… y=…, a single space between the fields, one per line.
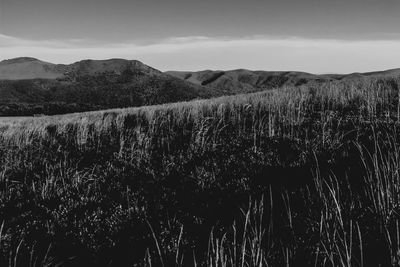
x=309 y=35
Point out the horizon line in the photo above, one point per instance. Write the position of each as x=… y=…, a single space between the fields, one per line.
x=260 y=52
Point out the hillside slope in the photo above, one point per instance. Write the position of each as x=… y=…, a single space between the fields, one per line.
x=29 y=86
x=288 y=174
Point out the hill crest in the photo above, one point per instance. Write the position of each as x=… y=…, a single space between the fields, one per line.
x=24 y=68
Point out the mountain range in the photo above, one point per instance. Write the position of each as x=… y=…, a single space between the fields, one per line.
x=245 y=81
x=30 y=86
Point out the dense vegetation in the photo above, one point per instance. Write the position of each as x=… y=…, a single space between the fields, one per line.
x=94 y=92
x=294 y=176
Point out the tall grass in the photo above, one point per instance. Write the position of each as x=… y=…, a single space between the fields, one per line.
x=277 y=112
x=173 y=182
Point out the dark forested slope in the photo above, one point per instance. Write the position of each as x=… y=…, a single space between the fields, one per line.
x=36 y=87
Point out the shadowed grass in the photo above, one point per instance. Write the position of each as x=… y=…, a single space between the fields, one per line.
x=170 y=184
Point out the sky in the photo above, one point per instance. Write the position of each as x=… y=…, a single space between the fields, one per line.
x=319 y=36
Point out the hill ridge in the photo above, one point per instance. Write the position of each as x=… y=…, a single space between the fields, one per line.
x=244 y=81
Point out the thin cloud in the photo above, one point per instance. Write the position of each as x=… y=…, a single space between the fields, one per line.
x=198 y=52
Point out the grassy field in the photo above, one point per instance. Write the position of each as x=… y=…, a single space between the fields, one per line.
x=302 y=176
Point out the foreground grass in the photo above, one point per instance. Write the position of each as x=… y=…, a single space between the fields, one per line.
x=295 y=176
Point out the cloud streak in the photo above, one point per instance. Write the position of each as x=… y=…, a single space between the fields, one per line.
x=201 y=52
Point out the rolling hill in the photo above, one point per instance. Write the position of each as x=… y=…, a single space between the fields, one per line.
x=244 y=81
x=29 y=86
x=25 y=68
